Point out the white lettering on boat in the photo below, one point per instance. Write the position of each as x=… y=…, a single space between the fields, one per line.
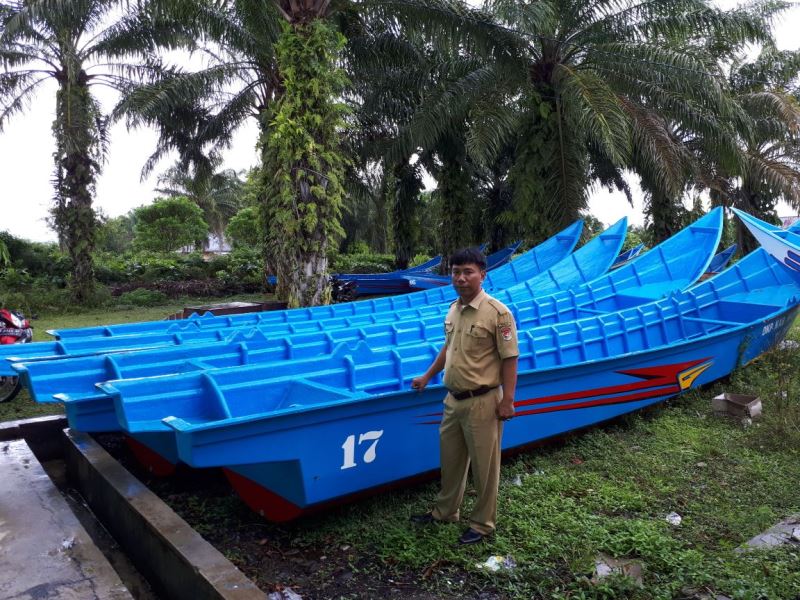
x=349 y=448
x=769 y=327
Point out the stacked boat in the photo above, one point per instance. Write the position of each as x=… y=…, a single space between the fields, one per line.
x=306 y=407
x=401 y=282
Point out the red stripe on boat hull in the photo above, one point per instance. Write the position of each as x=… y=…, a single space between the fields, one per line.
x=149 y=459
x=655 y=381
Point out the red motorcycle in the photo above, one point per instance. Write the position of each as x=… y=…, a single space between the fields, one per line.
x=14 y=329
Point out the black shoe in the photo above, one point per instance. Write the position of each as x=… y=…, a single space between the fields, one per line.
x=424 y=519
x=470 y=536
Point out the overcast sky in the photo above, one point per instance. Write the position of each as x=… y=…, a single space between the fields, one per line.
x=26 y=149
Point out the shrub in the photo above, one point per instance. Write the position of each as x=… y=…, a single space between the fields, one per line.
x=244 y=229
x=143 y=297
x=20 y=291
x=153 y=266
x=363 y=263
x=37 y=259
x=245 y=265
x=168 y=224
x=217 y=263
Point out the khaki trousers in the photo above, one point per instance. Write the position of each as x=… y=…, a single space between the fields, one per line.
x=469 y=435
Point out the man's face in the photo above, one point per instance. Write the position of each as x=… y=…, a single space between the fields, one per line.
x=467 y=280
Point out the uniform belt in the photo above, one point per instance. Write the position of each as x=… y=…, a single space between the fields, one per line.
x=484 y=389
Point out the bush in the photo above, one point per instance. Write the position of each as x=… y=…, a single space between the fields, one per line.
x=245 y=264
x=37 y=259
x=168 y=224
x=244 y=229
x=143 y=297
x=20 y=291
x=152 y=266
x=363 y=263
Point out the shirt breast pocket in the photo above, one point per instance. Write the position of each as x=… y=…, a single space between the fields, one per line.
x=478 y=337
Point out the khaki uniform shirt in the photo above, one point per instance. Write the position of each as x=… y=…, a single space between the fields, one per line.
x=479 y=336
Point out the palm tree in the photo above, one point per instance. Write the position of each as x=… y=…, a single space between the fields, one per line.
x=574 y=81
x=395 y=64
x=197 y=112
x=768 y=88
x=245 y=80
x=303 y=163
x=78 y=44
x=218 y=194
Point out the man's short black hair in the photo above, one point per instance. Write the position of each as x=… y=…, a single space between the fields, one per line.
x=467 y=256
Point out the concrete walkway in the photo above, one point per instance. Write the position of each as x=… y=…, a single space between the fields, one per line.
x=45 y=553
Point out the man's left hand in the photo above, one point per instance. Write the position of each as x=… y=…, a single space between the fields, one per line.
x=505 y=410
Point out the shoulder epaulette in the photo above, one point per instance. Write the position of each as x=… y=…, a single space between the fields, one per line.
x=498 y=306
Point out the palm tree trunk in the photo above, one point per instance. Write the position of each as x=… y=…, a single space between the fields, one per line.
x=404 y=212
x=76 y=131
x=380 y=234
x=549 y=174
x=457 y=197
x=304 y=164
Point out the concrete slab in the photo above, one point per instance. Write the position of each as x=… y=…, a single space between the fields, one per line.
x=43 y=434
x=785 y=532
x=44 y=550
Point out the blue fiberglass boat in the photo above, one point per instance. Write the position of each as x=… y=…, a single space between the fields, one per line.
x=427 y=281
x=628 y=256
x=721 y=260
x=794 y=227
x=72 y=380
x=208 y=329
x=531 y=263
x=782 y=244
x=401 y=283
x=92 y=340
x=323 y=430
x=673 y=265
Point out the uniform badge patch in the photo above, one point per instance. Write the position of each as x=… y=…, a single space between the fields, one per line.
x=506 y=333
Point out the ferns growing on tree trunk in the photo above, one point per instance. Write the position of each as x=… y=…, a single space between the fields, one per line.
x=303 y=163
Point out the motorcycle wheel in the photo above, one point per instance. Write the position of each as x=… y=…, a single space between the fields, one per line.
x=9 y=388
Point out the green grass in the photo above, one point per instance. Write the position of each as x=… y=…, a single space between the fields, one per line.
x=22 y=407
x=609 y=491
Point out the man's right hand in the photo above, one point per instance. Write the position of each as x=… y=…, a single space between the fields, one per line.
x=419 y=383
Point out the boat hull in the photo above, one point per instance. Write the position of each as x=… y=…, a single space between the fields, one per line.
x=306 y=461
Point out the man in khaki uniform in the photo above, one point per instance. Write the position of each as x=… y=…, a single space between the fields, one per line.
x=479 y=355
